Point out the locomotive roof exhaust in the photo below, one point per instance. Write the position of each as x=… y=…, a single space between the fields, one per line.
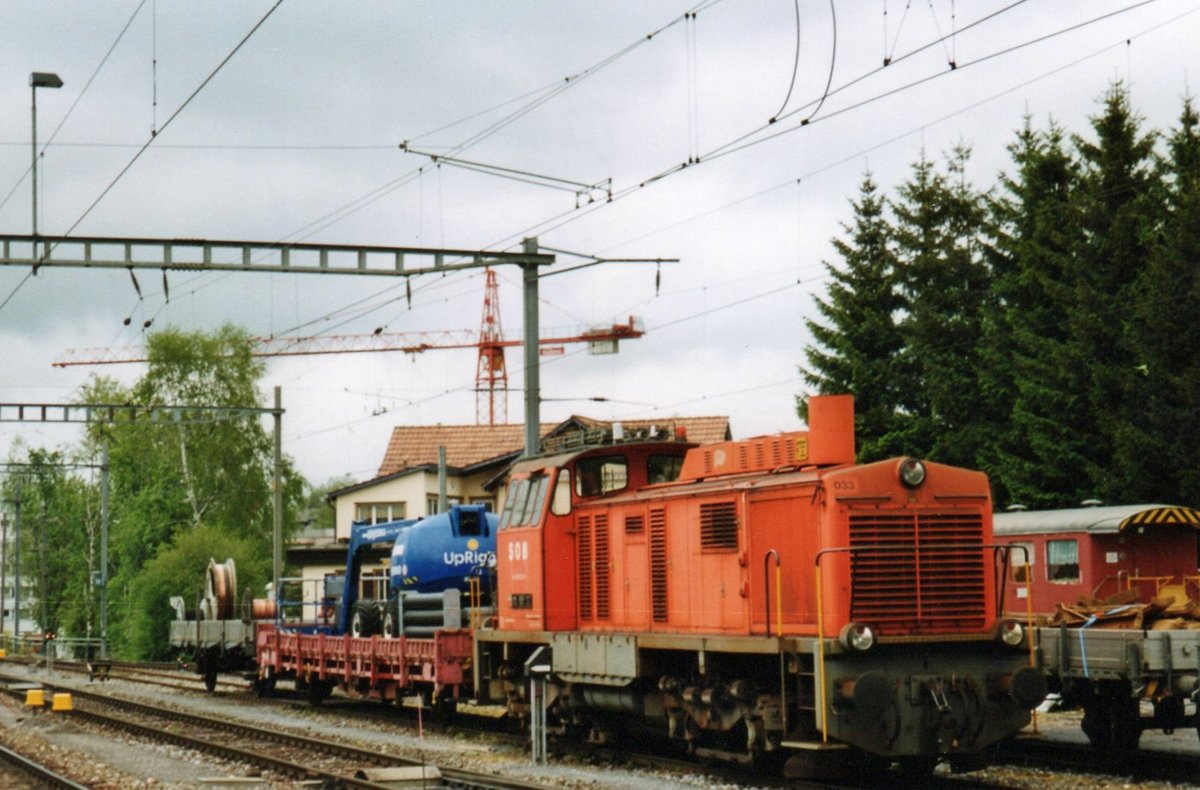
x=829 y=441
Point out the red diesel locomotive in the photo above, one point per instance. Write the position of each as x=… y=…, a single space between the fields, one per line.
x=763 y=601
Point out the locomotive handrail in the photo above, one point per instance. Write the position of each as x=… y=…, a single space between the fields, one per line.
x=767 y=591
x=820 y=555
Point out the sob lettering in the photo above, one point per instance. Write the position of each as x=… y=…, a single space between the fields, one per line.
x=843 y=485
x=518 y=550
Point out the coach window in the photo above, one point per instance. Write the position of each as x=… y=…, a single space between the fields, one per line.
x=596 y=476
x=560 y=505
x=1062 y=561
x=1018 y=559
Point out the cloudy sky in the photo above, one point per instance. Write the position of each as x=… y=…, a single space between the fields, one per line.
x=292 y=131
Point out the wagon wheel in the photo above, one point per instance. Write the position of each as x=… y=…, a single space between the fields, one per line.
x=1112 y=721
x=317 y=691
x=445 y=708
x=265 y=686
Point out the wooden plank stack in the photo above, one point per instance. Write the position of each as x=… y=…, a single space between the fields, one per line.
x=1172 y=609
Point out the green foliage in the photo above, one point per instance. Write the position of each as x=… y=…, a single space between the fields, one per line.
x=1048 y=332
x=178 y=568
x=59 y=520
x=181 y=492
x=862 y=336
x=317 y=511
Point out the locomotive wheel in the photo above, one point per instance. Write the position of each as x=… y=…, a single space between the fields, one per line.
x=366 y=620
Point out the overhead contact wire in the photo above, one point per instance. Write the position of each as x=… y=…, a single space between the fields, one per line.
x=78 y=98
x=174 y=115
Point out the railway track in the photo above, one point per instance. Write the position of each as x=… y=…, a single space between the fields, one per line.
x=1039 y=753
x=22 y=770
x=276 y=752
x=1142 y=764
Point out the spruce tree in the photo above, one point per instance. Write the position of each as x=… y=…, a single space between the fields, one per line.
x=1033 y=453
x=944 y=281
x=1118 y=202
x=1156 y=436
x=855 y=350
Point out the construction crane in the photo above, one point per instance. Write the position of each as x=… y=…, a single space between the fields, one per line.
x=491 y=375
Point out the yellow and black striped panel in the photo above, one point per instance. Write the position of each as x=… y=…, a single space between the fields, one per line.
x=1163 y=515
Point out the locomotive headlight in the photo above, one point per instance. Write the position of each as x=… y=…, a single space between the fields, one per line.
x=1011 y=633
x=857 y=637
x=912 y=472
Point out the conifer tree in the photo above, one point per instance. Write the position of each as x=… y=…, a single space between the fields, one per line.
x=1118 y=202
x=1033 y=454
x=944 y=281
x=1155 y=436
x=856 y=349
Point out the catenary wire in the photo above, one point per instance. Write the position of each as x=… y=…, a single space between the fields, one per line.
x=78 y=98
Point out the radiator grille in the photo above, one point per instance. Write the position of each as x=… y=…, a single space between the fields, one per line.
x=634 y=525
x=585 y=567
x=658 y=565
x=918 y=573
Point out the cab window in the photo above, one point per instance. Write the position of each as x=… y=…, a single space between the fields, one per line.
x=536 y=499
x=663 y=468
x=514 y=503
x=596 y=476
x=560 y=505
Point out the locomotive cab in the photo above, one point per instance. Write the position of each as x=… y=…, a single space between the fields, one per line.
x=538 y=533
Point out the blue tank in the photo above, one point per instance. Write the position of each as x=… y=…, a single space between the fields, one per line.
x=439 y=553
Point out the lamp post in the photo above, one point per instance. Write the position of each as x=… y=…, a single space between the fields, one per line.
x=38 y=79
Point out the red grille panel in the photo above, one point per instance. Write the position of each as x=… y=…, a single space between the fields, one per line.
x=584 y=525
x=658 y=565
x=603 y=600
x=918 y=573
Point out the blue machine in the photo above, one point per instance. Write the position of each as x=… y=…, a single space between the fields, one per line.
x=429 y=555
x=433 y=555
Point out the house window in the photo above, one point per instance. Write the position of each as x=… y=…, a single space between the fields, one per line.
x=487 y=502
x=1062 y=561
x=1017 y=560
x=380 y=512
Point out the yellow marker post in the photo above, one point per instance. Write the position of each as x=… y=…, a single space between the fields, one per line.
x=61 y=702
x=35 y=698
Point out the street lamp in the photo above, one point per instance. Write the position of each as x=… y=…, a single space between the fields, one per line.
x=39 y=79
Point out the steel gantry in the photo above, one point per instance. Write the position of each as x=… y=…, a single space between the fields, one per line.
x=105 y=252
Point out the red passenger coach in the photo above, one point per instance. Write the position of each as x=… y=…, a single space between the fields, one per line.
x=1095 y=552
x=762 y=599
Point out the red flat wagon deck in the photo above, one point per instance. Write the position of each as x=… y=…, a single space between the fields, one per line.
x=435 y=667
